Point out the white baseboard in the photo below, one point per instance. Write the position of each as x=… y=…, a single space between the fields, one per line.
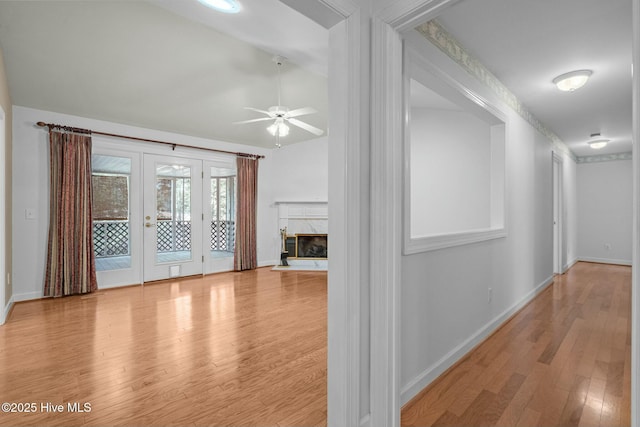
x=427 y=376
x=268 y=263
x=365 y=421
x=6 y=310
x=606 y=260
x=569 y=265
x=27 y=296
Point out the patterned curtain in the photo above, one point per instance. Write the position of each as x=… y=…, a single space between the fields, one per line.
x=245 y=255
x=70 y=258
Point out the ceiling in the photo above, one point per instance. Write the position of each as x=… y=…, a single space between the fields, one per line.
x=527 y=43
x=175 y=65
x=170 y=65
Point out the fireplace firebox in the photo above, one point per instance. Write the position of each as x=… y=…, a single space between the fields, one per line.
x=307 y=246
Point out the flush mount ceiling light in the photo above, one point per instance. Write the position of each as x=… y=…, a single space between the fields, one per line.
x=598 y=142
x=226 y=6
x=569 y=82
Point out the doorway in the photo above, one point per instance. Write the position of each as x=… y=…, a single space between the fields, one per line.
x=172 y=234
x=158 y=217
x=557 y=214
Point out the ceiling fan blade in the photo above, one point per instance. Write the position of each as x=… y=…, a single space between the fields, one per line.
x=301 y=112
x=305 y=126
x=262 y=119
x=259 y=111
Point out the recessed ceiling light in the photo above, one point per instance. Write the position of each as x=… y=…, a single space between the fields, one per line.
x=569 y=82
x=226 y=6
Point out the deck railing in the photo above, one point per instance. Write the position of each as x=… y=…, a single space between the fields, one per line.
x=111 y=238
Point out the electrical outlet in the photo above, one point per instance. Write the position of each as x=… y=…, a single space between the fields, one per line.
x=490 y=295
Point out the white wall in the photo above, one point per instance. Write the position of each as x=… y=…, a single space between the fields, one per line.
x=31 y=181
x=301 y=174
x=445 y=309
x=450 y=172
x=604 y=202
x=301 y=171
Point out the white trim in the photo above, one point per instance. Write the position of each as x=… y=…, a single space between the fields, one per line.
x=430 y=374
x=431 y=243
x=386 y=222
x=386 y=201
x=348 y=208
x=557 y=195
x=635 y=281
x=6 y=310
x=347 y=212
x=152 y=268
x=312 y=218
x=123 y=277
x=568 y=265
x=295 y=202
x=606 y=260
x=268 y=263
x=3 y=208
x=419 y=67
x=557 y=157
x=27 y=296
x=404 y=15
x=365 y=421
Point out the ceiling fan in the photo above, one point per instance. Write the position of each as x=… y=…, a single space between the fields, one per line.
x=281 y=115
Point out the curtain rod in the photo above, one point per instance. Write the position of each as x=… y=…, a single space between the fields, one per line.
x=172 y=144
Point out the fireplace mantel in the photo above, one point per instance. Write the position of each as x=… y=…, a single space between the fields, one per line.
x=303 y=211
x=300 y=202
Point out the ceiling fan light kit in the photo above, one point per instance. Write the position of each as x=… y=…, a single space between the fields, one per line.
x=574 y=80
x=278 y=128
x=282 y=115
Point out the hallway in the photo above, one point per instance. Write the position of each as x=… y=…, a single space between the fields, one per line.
x=563 y=360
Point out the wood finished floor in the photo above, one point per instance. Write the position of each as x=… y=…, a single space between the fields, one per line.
x=564 y=360
x=233 y=349
x=249 y=349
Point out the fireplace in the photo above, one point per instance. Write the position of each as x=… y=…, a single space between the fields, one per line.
x=307 y=246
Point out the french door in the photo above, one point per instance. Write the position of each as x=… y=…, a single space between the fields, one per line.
x=117 y=208
x=173 y=217
x=156 y=217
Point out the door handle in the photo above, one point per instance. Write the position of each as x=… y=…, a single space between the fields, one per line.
x=148 y=224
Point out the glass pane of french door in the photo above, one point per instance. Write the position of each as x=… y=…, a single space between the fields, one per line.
x=111 y=219
x=173 y=217
x=116 y=205
x=219 y=215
